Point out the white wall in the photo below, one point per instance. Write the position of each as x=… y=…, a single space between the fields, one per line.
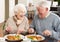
x=11 y=6
x=27 y=1
x=22 y=1
x=2 y=11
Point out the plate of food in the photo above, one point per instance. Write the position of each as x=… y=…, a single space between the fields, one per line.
x=14 y=37
x=35 y=37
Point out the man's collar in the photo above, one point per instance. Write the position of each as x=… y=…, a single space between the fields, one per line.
x=48 y=14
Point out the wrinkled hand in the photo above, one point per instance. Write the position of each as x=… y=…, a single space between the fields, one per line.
x=47 y=33
x=20 y=31
x=8 y=29
x=58 y=41
x=31 y=30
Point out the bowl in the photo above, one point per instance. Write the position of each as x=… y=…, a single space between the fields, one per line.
x=35 y=38
x=13 y=38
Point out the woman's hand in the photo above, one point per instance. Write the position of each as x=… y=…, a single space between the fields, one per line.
x=20 y=31
x=8 y=29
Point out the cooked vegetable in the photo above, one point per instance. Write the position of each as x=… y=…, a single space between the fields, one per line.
x=16 y=37
x=35 y=38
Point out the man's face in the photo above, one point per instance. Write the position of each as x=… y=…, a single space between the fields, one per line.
x=42 y=11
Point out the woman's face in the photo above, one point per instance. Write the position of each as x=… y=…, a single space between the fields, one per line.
x=20 y=13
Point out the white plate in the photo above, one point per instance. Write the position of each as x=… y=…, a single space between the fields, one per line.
x=22 y=37
x=2 y=39
x=43 y=38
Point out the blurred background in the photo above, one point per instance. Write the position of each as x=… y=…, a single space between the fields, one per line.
x=6 y=8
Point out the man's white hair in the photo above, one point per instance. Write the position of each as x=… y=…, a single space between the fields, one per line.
x=19 y=7
x=45 y=4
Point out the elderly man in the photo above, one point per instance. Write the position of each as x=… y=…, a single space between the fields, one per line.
x=46 y=23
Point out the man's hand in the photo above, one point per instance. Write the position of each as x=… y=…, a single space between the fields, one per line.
x=58 y=40
x=31 y=30
x=47 y=33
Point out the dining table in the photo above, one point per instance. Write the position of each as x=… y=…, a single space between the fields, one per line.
x=2 y=39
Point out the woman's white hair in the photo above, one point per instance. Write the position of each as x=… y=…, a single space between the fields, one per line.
x=45 y=4
x=19 y=7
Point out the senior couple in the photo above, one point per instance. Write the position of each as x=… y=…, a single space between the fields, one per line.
x=44 y=23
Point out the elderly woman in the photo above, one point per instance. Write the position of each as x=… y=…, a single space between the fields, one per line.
x=19 y=22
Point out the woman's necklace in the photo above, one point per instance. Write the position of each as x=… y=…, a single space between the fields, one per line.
x=18 y=21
